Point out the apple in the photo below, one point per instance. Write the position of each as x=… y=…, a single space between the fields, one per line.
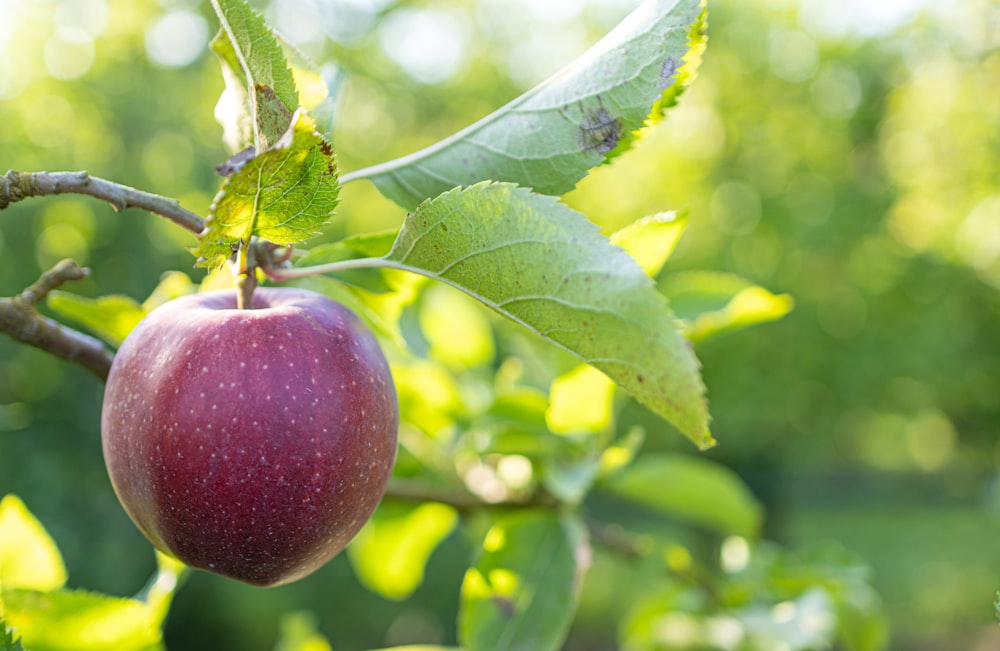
x=250 y=443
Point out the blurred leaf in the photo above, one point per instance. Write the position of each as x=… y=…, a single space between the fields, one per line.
x=391 y=551
x=458 y=332
x=298 y=632
x=110 y=317
x=623 y=451
x=522 y=592
x=548 y=138
x=69 y=620
x=29 y=557
x=580 y=401
x=692 y=489
x=652 y=239
x=809 y=622
x=353 y=248
x=317 y=86
x=159 y=592
x=173 y=284
x=421 y=647
x=713 y=303
x=283 y=195
x=546 y=267
x=569 y=480
x=256 y=73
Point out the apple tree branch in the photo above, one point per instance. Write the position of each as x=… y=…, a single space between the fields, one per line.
x=21 y=321
x=16 y=186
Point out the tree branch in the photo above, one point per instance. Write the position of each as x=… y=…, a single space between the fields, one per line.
x=21 y=321
x=15 y=186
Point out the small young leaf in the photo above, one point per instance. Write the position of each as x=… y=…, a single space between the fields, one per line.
x=522 y=592
x=691 y=489
x=652 y=239
x=110 y=317
x=389 y=555
x=713 y=303
x=283 y=195
x=258 y=75
x=545 y=266
x=29 y=557
x=8 y=642
x=70 y=620
x=548 y=138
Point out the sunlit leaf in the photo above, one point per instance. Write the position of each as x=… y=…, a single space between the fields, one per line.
x=256 y=74
x=159 y=592
x=580 y=401
x=457 y=331
x=69 y=620
x=173 y=284
x=29 y=557
x=652 y=239
x=548 y=138
x=110 y=317
x=283 y=195
x=390 y=553
x=545 y=266
x=298 y=632
x=421 y=647
x=691 y=489
x=522 y=592
x=712 y=303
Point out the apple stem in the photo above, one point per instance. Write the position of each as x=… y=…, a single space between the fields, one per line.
x=245 y=285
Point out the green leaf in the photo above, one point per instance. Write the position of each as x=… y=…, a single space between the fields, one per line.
x=298 y=632
x=7 y=640
x=691 y=489
x=68 y=620
x=522 y=592
x=713 y=303
x=110 y=317
x=421 y=647
x=652 y=239
x=262 y=87
x=390 y=553
x=548 y=138
x=29 y=557
x=283 y=195
x=545 y=266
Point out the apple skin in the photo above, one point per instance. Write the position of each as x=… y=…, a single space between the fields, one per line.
x=250 y=443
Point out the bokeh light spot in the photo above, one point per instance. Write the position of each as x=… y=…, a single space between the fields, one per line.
x=68 y=53
x=793 y=56
x=176 y=39
x=428 y=44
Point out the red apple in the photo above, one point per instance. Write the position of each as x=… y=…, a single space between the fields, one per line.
x=250 y=443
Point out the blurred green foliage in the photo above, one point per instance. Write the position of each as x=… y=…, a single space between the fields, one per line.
x=833 y=153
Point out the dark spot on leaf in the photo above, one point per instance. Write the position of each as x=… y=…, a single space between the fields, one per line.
x=667 y=73
x=236 y=162
x=600 y=130
x=640 y=378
